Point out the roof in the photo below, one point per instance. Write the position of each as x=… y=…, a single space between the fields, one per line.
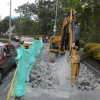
x=2 y=44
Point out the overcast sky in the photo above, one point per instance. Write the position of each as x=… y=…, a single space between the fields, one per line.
x=4 y=7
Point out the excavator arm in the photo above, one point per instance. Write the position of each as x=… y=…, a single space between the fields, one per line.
x=67 y=42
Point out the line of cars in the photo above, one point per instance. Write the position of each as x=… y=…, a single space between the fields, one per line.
x=26 y=41
x=15 y=38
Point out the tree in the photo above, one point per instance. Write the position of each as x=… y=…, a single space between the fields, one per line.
x=27 y=26
x=16 y=22
x=45 y=12
x=46 y=16
x=91 y=15
x=27 y=10
x=4 y=25
x=87 y=13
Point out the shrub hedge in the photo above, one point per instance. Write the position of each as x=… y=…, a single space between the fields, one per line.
x=81 y=43
x=7 y=36
x=92 y=50
x=4 y=36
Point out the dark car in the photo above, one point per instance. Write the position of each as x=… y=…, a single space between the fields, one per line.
x=7 y=58
x=15 y=38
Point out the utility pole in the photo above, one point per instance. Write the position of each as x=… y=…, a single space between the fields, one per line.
x=55 y=19
x=10 y=23
x=85 y=30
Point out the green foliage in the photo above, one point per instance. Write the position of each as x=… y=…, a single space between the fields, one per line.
x=4 y=25
x=90 y=19
x=77 y=5
x=92 y=50
x=81 y=43
x=27 y=10
x=45 y=16
x=88 y=46
x=4 y=36
x=26 y=26
x=16 y=22
x=39 y=18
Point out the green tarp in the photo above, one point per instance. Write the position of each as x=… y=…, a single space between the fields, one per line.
x=27 y=59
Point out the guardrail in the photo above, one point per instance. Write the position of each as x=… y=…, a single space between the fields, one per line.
x=4 y=36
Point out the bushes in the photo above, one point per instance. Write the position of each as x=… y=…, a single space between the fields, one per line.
x=92 y=50
x=4 y=36
x=7 y=36
x=81 y=43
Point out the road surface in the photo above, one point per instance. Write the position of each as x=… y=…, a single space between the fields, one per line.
x=5 y=86
x=51 y=81
x=59 y=90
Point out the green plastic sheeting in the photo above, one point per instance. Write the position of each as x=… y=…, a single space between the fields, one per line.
x=26 y=62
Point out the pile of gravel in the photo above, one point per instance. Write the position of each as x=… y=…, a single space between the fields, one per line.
x=88 y=80
x=44 y=74
x=41 y=74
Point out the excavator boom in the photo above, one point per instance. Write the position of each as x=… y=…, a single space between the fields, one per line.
x=68 y=41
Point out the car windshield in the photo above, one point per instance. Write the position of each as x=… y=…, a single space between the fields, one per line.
x=22 y=37
x=0 y=51
x=29 y=40
x=16 y=37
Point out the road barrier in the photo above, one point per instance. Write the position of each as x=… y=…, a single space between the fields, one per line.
x=21 y=77
x=12 y=84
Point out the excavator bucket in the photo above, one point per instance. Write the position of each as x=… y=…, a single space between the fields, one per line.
x=74 y=63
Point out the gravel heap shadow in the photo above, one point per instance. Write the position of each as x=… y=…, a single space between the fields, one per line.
x=26 y=62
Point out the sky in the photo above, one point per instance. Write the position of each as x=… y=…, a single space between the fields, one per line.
x=5 y=7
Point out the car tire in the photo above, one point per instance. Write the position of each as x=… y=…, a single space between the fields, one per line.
x=1 y=76
x=15 y=65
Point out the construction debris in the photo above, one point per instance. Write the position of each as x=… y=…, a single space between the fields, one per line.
x=87 y=79
x=49 y=75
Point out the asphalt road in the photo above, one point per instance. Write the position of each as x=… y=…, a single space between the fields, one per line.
x=5 y=86
x=45 y=95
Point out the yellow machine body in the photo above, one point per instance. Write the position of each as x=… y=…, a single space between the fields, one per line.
x=56 y=42
x=57 y=48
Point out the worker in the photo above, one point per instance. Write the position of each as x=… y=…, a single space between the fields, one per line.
x=43 y=38
x=4 y=54
x=46 y=38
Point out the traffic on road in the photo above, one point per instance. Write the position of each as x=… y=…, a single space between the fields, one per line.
x=8 y=53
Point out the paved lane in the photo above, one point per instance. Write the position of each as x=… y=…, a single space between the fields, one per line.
x=5 y=86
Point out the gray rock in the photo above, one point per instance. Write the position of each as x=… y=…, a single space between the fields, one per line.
x=82 y=88
x=34 y=82
x=33 y=77
x=79 y=86
x=88 y=87
x=35 y=85
x=35 y=72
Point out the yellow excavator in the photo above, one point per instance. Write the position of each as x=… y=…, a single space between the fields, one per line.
x=67 y=42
